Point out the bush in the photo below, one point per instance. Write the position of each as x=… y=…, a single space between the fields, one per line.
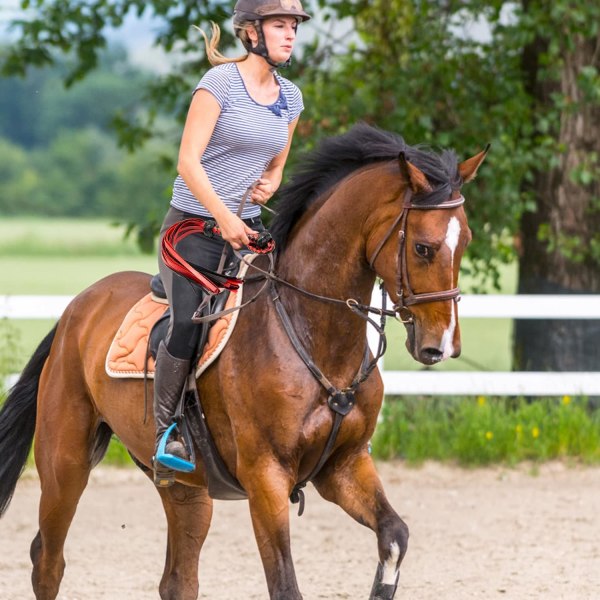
x=477 y=431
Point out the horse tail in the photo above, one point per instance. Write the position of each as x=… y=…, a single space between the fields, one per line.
x=17 y=422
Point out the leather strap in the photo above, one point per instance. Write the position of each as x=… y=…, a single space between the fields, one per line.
x=341 y=402
x=209 y=280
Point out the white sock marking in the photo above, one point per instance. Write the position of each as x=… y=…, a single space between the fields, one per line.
x=390 y=566
x=452 y=237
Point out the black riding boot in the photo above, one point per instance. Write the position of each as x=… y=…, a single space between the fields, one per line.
x=169 y=379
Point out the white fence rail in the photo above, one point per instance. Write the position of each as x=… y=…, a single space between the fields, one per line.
x=435 y=382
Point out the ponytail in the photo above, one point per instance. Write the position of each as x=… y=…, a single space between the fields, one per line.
x=212 y=52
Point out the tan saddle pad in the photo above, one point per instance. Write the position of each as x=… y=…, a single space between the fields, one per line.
x=127 y=353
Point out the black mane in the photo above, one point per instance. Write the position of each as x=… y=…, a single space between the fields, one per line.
x=337 y=157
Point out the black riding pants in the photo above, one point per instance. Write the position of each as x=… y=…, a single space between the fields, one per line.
x=185 y=296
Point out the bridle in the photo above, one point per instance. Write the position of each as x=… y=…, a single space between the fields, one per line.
x=406 y=296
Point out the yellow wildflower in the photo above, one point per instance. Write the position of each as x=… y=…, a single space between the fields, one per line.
x=535 y=432
x=481 y=400
x=566 y=400
x=489 y=435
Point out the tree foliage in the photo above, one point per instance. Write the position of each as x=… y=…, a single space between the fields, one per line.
x=34 y=108
x=82 y=173
x=411 y=66
x=58 y=156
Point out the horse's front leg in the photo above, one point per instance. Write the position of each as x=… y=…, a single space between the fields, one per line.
x=352 y=483
x=268 y=487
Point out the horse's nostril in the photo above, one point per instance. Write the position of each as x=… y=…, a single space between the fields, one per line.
x=431 y=355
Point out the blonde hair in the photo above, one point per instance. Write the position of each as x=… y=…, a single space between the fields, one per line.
x=212 y=51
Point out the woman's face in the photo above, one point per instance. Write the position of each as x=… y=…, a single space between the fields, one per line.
x=280 y=34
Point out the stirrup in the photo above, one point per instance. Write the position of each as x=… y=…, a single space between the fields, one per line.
x=170 y=460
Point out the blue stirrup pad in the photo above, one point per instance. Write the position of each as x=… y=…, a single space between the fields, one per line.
x=170 y=460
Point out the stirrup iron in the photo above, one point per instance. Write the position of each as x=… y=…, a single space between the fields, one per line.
x=170 y=460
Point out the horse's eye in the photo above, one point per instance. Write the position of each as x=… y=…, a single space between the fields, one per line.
x=424 y=251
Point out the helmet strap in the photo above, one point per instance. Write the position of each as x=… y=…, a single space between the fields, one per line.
x=262 y=50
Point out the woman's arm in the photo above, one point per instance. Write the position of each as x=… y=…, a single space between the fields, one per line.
x=199 y=126
x=271 y=179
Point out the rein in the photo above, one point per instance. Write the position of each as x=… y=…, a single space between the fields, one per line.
x=211 y=281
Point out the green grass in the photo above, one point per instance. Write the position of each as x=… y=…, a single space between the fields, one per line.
x=63 y=237
x=69 y=274
x=57 y=276
x=486 y=343
x=479 y=431
x=117 y=454
x=485 y=347
x=59 y=257
x=46 y=256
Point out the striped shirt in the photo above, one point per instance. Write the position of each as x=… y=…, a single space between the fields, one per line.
x=246 y=138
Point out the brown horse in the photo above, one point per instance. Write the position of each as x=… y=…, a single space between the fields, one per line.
x=345 y=219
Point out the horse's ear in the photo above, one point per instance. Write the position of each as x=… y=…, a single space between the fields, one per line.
x=468 y=168
x=415 y=177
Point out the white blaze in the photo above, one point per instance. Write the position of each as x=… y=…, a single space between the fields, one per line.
x=452 y=237
x=390 y=569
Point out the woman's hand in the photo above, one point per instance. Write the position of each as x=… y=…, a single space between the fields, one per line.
x=263 y=191
x=234 y=230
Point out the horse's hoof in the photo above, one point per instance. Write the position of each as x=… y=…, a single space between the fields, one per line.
x=383 y=591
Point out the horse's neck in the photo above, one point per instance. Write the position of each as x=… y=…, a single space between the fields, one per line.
x=326 y=256
x=325 y=252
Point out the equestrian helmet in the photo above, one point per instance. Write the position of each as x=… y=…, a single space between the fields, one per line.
x=258 y=10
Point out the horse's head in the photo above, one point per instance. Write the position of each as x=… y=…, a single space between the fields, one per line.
x=400 y=207
x=417 y=250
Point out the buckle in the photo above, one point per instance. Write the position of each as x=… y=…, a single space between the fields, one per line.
x=342 y=402
x=262 y=243
x=209 y=228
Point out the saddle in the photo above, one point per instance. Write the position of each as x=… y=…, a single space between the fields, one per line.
x=133 y=349
x=132 y=354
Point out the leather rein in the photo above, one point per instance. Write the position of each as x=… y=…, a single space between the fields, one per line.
x=341 y=401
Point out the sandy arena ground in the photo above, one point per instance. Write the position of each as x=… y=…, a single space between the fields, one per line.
x=486 y=533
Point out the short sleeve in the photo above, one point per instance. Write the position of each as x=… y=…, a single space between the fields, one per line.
x=216 y=81
x=296 y=105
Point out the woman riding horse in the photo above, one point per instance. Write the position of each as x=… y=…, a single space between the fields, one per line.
x=365 y=205
x=236 y=138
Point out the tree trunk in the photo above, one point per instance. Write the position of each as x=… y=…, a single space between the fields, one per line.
x=556 y=255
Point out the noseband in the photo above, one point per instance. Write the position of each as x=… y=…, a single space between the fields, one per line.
x=406 y=296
